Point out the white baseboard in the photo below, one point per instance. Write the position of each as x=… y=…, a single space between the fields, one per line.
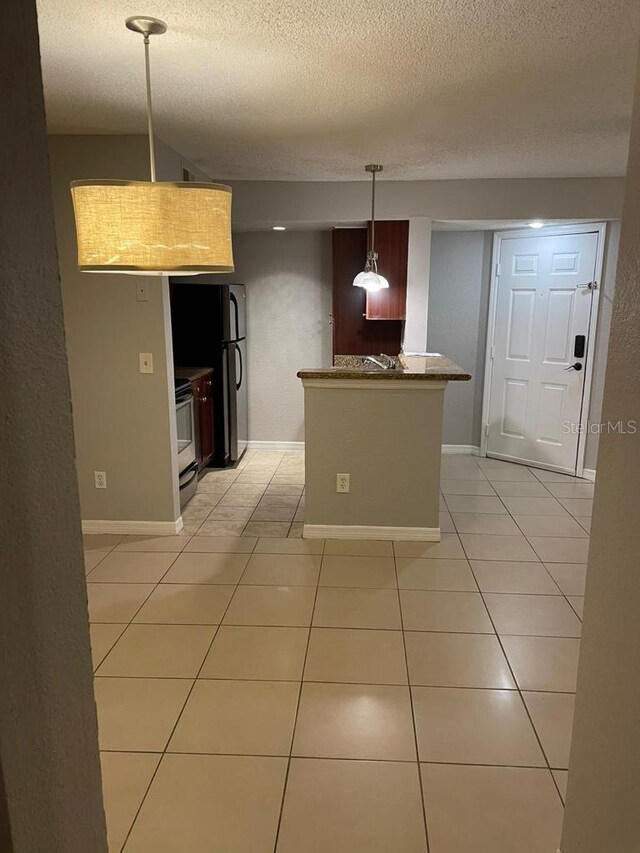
x=363 y=531
x=460 y=449
x=142 y=528
x=589 y=474
x=275 y=445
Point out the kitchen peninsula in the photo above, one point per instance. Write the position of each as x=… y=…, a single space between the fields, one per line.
x=382 y=428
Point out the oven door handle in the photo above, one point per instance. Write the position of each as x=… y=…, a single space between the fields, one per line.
x=187 y=476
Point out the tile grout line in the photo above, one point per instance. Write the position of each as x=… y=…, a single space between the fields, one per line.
x=555 y=782
x=130 y=622
x=410 y=762
x=524 y=704
x=333 y=628
x=411 y=705
x=339 y=758
x=95 y=676
x=295 y=719
x=168 y=741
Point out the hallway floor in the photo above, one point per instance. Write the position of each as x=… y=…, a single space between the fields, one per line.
x=258 y=692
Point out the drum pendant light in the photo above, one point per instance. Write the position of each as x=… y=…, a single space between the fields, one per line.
x=151 y=227
x=369 y=278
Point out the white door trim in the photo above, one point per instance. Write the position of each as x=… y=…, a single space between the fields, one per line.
x=599 y=228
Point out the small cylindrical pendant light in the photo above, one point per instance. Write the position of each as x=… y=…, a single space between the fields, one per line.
x=148 y=227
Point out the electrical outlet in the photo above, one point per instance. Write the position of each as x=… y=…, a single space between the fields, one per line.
x=342 y=483
x=100 y=478
x=146 y=362
x=142 y=291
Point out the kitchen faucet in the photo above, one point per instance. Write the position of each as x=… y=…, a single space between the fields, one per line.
x=388 y=364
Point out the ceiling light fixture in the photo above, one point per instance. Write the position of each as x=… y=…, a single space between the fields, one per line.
x=279 y=228
x=152 y=227
x=369 y=278
x=536 y=223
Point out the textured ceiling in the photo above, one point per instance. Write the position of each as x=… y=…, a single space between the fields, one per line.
x=313 y=89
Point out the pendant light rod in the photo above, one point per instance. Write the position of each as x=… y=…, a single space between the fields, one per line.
x=373 y=169
x=147 y=68
x=148 y=27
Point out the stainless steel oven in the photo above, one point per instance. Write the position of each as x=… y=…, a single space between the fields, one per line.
x=186 y=425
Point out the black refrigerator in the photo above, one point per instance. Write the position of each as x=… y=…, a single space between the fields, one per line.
x=208 y=327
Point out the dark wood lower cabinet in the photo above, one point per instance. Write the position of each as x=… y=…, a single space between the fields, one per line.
x=203 y=406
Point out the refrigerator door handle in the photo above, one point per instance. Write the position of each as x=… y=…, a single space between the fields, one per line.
x=234 y=302
x=239 y=383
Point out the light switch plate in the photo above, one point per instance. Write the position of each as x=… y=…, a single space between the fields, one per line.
x=146 y=362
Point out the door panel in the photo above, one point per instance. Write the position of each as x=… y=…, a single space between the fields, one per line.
x=541 y=305
x=558 y=336
x=552 y=404
x=521 y=317
x=514 y=408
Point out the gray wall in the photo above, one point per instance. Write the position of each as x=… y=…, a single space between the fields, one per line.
x=288 y=280
x=122 y=418
x=458 y=308
x=602 y=811
x=48 y=733
x=264 y=203
x=387 y=438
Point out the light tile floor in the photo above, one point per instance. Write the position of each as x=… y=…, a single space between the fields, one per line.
x=261 y=692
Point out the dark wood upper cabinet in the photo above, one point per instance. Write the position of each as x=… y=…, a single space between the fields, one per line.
x=392 y=246
x=353 y=334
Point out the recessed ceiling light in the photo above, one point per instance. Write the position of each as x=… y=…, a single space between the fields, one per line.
x=279 y=228
x=536 y=223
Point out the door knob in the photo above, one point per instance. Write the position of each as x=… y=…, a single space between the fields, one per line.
x=576 y=366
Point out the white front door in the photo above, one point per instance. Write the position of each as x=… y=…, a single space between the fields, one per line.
x=541 y=330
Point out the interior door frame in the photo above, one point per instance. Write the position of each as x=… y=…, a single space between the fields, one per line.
x=599 y=228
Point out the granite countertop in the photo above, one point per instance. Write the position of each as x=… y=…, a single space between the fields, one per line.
x=192 y=373
x=433 y=367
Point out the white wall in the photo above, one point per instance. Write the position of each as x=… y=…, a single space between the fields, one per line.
x=288 y=280
x=122 y=419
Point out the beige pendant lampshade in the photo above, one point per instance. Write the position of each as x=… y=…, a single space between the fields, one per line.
x=152 y=227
